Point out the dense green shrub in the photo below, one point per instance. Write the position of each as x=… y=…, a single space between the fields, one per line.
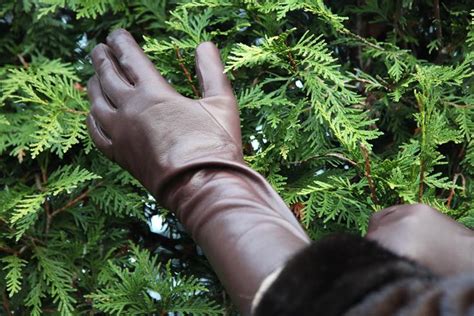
x=347 y=108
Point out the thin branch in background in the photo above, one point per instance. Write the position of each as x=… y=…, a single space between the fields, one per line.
x=49 y=310
x=292 y=61
x=342 y=157
x=23 y=61
x=9 y=250
x=69 y=204
x=72 y=202
x=368 y=174
x=38 y=182
x=359 y=28
x=453 y=192
x=6 y=304
x=336 y=155
x=187 y=73
x=437 y=15
x=76 y=111
x=361 y=39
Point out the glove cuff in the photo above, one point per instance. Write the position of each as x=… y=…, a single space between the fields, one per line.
x=331 y=276
x=244 y=228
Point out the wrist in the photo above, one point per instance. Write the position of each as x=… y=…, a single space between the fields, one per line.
x=186 y=183
x=244 y=228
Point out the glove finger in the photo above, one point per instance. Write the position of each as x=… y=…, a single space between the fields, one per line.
x=113 y=82
x=134 y=62
x=101 y=108
x=210 y=71
x=100 y=139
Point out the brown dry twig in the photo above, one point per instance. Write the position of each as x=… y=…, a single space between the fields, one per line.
x=187 y=73
x=6 y=304
x=23 y=61
x=453 y=192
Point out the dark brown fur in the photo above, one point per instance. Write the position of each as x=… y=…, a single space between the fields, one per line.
x=345 y=275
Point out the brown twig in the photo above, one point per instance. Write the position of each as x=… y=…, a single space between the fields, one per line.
x=368 y=173
x=452 y=193
x=49 y=310
x=69 y=204
x=340 y=156
x=460 y=106
x=72 y=202
x=336 y=155
x=34 y=240
x=359 y=27
x=292 y=61
x=437 y=15
x=9 y=250
x=76 y=111
x=22 y=250
x=6 y=304
x=39 y=183
x=361 y=39
x=23 y=61
x=14 y=252
x=187 y=73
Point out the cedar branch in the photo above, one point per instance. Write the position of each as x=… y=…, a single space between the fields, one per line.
x=69 y=204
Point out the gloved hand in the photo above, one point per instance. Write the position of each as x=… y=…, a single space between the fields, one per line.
x=426 y=236
x=188 y=154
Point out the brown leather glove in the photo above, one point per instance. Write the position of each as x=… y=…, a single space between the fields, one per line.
x=425 y=235
x=188 y=154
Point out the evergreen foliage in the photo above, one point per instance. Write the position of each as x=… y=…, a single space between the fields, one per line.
x=347 y=107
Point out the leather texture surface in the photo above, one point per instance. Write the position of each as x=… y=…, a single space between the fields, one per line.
x=188 y=154
x=426 y=236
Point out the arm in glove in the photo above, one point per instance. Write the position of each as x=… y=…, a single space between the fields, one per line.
x=188 y=154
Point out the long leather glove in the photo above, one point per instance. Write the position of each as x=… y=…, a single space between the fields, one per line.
x=188 y=154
